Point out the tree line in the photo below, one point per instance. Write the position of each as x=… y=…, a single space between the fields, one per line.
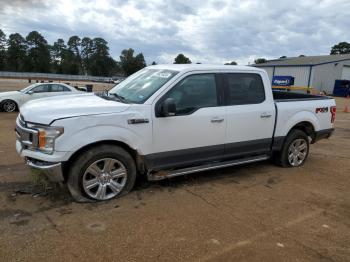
x=77 y=56
x=84 y=56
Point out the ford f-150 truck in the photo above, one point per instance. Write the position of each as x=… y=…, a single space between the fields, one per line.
x=166 y=121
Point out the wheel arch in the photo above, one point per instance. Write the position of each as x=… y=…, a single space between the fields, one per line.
x=135 y=155
x=307 y=127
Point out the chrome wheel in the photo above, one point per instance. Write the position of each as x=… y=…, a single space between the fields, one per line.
x=297 y=152
x=104 y=179
x=9 y=106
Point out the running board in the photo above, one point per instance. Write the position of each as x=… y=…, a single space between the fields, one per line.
x=163 y=174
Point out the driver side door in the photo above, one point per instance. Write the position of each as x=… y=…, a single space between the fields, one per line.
x=196 y=133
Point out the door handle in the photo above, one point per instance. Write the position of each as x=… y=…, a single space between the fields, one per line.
x=265 y=115
x=217 y=120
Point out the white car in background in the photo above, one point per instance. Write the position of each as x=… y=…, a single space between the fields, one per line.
x=13 y=100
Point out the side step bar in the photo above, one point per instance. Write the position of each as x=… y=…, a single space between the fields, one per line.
x=163 y=174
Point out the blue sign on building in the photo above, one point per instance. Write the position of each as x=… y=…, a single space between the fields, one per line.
x=283 y=81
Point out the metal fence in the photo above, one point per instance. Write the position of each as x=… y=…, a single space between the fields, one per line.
x=27 y=75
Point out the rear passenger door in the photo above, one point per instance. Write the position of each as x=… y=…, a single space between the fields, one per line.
x=57 y=89
x=250 y=116
x=196 y=133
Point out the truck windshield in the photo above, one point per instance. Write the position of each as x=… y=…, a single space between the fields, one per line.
x=138 y=87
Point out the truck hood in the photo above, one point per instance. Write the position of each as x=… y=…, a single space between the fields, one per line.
x=46 y=110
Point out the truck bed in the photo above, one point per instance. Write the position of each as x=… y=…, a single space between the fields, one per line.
x=285 y=96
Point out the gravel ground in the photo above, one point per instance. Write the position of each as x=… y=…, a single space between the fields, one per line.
x=257 y=212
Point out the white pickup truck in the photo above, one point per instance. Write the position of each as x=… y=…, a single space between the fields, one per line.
x=166 y=121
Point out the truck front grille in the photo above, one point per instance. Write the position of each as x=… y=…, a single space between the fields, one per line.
x=27 y=137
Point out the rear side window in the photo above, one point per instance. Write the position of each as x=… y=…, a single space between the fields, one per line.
x=242 y=89
x=59 y=88
x=194 y=92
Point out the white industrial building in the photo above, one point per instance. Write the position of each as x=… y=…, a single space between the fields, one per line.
x=319 y=72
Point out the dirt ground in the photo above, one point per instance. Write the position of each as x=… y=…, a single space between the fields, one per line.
x=18 y=84
x=256 y=212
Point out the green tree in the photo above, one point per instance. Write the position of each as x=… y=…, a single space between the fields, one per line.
x=302 y=56
x=282 y=57
x=3 y=45
x=87 y=50
x=101 y=63
x=341 y=48
x=140 y=62
x=116 y=69
x=181 y=59
x=58 y=51
x=69 y=65
x=38 y=59
x=131 y=64
x=231 y=63
x=154 y=63
x=16 y=53
x=260 y=61
x=74 y=46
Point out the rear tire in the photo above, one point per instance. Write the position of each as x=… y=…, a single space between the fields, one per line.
x=101 y=173
x=9 y=106
x=295 y=150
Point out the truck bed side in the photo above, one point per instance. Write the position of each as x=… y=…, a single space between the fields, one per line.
x=312 y=111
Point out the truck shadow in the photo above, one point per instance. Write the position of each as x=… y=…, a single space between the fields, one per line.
x=234 y=175
x=58 y=196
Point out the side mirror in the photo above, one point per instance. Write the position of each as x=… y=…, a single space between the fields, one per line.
x=168 y=107
x=30 y=92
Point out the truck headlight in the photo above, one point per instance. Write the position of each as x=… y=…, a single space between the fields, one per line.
x=47 y=136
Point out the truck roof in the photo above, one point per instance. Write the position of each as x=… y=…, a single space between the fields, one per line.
x=191 y=67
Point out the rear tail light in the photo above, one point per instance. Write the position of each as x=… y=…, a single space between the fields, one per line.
x=333 y=112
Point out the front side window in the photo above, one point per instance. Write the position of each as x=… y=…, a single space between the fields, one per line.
x=194 y=92
x=142 y=85
x=41 y=89
x=244 y=88
x=28 y=88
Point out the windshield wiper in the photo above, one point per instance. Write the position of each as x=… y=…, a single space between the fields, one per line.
x=120 y=98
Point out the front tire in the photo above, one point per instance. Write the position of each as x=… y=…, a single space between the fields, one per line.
x=9 y=106
x=101 y=173
x=295 y=150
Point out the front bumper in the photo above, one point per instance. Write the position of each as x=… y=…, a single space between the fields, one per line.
x=53 y=171
x=27 y=142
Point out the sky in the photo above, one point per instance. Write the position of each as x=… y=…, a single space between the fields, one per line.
x=214 y=32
